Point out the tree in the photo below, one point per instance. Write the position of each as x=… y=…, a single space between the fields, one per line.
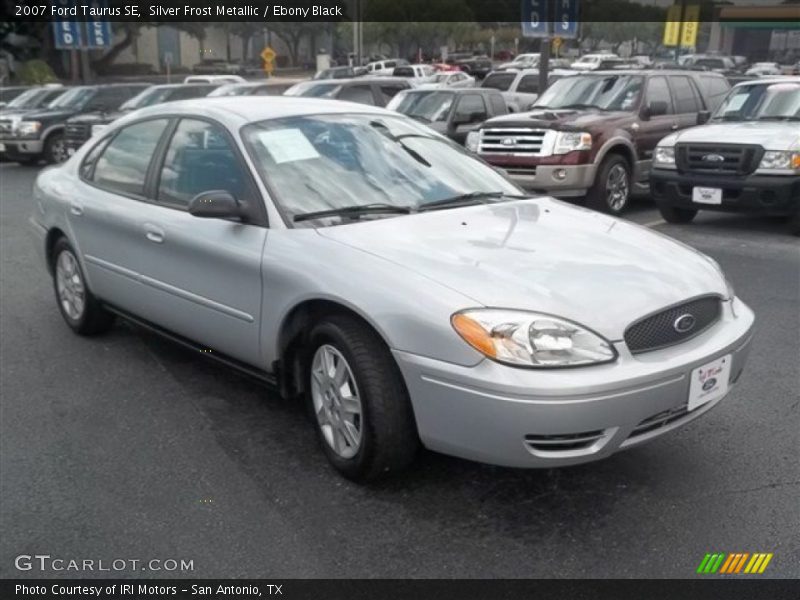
x=245 y=30
x=293 y=33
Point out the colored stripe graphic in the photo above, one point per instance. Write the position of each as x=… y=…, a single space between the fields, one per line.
x=735 y=562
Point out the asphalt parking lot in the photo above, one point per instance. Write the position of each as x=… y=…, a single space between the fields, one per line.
x=128 y=447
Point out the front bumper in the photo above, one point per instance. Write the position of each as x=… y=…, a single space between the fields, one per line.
x=777 y=195
x=561 y=181
x=485 y=412
x=21 y=147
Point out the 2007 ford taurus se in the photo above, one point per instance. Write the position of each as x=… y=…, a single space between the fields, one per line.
x=409 y=292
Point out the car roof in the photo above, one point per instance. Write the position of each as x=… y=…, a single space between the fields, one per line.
x=770 y=80
x=247 y=109
x=478 y=90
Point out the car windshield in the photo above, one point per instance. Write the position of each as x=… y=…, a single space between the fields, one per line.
x=774 y=101
x=430 y=106
x=28 y=98
x=499 y=81
x=74 y=98
x=606 y=92
x=323 y=162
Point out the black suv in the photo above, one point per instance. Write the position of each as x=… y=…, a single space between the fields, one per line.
x=40 y=134
x=477 y=66
x=79 y=128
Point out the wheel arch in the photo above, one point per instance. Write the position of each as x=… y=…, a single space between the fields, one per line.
x=293 y=335
x=53 y=235
x=619 y=146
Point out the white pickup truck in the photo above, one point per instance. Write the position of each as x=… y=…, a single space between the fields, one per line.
x=520 y=88
x=746 y=159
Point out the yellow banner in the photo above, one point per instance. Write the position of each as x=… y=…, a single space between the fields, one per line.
x=691 y=18
x=672 y=25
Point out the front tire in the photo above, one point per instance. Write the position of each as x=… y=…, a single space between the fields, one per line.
x=673 y=214
x=358 y=400
x=80 y=309
x=55 y=149
x=611 y=191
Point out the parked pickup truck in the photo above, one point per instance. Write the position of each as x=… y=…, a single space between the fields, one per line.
x=40 y=134
x=594 y=134
x=520 y=88
x=746 y=159
x=453 y=112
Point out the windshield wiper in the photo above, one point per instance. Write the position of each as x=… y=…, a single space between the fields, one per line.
x=354 y=212
x=779 y=118
x=468 y=200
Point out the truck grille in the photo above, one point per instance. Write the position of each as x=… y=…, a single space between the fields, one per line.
x=78 y=132
x=719 y=159
x=511 y=141
x=660 y=330
x=6 y=127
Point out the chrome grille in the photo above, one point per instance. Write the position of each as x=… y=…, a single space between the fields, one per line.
x=522 y=140
x=720 y=159
x=659 y=330
x=77 y=131
x=660 y=420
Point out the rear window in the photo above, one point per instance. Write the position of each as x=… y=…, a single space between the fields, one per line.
x=499 y=81
x=714 y=89
x=404 y=72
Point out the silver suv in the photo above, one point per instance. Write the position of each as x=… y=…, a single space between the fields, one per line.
x=407 y=291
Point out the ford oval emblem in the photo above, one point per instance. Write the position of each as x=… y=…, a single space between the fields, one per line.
x=509 y=141
x=684 y=323
x=714 y=158
x=709 y=384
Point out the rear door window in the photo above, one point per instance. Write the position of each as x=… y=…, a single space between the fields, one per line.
x=122 y=166
x=529 y=84
x=357 y=93
x=686 y=100
x=658 y=91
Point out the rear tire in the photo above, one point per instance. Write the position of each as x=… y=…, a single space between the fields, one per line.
x=80 y=309
x=672 y=214
x=358 y=400
x=611 y=192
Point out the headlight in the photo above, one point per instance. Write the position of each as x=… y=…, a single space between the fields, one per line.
x=98 y=128
x=527 y=339
x=664 y=157
x=780 y=161
x=473 y=141
x=29 y=128
x=567 y=141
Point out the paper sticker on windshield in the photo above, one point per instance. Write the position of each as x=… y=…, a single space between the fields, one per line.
x=287 y=145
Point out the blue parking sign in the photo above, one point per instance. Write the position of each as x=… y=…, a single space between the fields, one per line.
x=534 y=18
x=66 y=32
x=566 y=19
x=98 y=33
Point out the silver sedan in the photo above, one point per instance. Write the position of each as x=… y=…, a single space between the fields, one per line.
x=407 y=292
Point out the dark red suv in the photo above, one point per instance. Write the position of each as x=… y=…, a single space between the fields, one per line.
x=594 y=134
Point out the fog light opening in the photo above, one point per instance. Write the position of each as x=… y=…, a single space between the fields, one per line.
x=560 y=174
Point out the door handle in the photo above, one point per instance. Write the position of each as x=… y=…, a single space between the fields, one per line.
x=76 y=209
x=154 y=234
x=674 y=127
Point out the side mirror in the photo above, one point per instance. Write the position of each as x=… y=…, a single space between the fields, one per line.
x=654 y=109
x=215 y=204
x=703 y=116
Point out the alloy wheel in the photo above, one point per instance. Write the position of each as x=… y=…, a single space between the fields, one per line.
x=617 y=188
x=70 y=286
x=336 y=400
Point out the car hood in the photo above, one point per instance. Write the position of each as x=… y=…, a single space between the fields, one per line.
x=568 y=119
x=772 y=135
x=91 y=118
x=541 y=255
x=49 y=115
